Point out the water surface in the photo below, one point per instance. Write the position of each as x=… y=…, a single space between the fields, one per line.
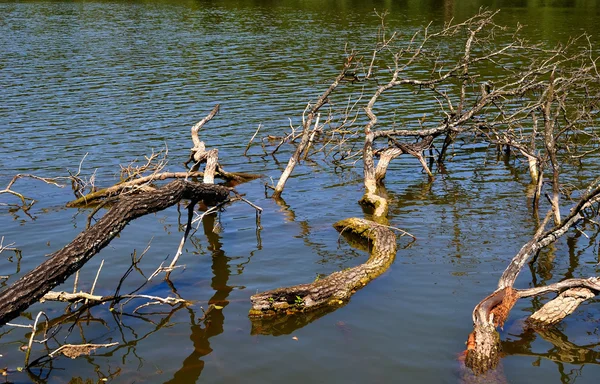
x=116 y=80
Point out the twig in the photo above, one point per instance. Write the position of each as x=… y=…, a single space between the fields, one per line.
x=96 y=279
x=75 y=350
x=33 y=331
x=7 y=247
x=252 y=139
x=188 y=227
x=26 y=201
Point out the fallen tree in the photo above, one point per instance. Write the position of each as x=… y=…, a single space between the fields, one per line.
x=542 y=109
x=63 y=263
x=335 y=289
x=483 y=347
x=135 y=195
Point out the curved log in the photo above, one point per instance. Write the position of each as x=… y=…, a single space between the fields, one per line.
x=66 y=261
x=336 y=288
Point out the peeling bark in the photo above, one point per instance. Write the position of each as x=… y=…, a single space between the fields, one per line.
x=483 y=351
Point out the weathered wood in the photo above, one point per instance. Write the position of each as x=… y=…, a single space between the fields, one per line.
x=483 y=352
x=94 y=197
x=306 y=128
x=483 y=345
x=336 y=288
x=560 y=307
x=66 y=261
x=416 y=150
x=386 y=155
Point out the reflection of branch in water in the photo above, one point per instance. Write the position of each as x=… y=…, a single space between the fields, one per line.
x=10 y=249
x=541 y=267
x=82 y=318
x=43 y=366
x=214 y=318
x=576 y=250
x=305 y=233
x=285 y=208
x=561 y=351
x=286 y=324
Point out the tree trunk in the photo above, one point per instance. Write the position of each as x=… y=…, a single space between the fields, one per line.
x=336 y=288
x=66 y=261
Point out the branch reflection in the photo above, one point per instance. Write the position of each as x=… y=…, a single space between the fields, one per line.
x=212 y=322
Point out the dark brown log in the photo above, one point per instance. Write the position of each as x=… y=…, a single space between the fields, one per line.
x=66 y=261
x=336 y=288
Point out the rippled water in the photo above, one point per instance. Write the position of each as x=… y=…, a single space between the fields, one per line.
x=116 y=80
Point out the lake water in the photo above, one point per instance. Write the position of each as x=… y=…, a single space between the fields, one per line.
x=116 y=80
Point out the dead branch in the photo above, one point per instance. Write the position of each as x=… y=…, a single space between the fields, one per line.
x=560 y=307
x=33 y=285
x=7 y=247
x=306 y=128
x=27 y=202
x=84 y=296
x=336 y=288
x=484 y=352
x=251 y=140
x=73 y=351
x=200 y=155
x=135 y=185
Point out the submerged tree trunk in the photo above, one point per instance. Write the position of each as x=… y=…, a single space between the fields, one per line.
x=66 y=261
x=336 y=288
x=483 y=345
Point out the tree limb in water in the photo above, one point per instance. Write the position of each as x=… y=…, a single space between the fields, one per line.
x=483 y=347
x=336 y=288
x=66 y=261
x=94 y=197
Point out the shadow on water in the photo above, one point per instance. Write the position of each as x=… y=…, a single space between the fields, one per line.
x=287 y=324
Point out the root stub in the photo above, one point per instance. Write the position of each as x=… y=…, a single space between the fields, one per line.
x=336 y=288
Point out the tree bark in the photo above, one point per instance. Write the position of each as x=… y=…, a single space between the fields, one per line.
x=560 y=307
x=336 y=288
x=94 y=197
x=66 y=261
x=483 y=346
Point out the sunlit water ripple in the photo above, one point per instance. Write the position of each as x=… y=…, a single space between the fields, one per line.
x=116 y=80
